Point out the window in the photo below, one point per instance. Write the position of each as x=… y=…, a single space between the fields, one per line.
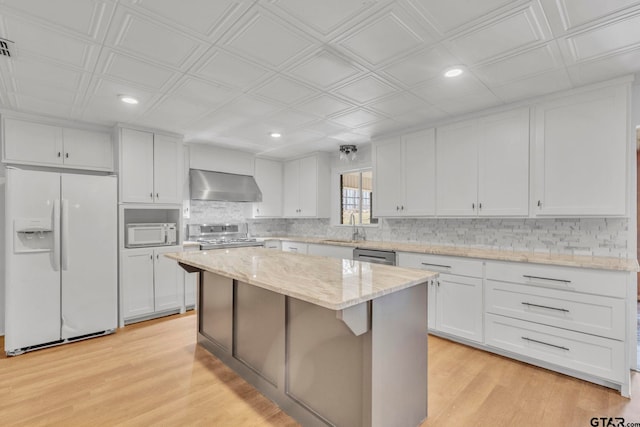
x=356 y=192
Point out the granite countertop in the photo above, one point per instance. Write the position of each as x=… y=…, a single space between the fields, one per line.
x=603 y=263
x=331 y=283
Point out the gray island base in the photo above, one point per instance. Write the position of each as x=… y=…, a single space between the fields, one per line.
x=362 y=364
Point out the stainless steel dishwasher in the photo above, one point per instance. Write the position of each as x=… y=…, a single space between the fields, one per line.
x=375 y=256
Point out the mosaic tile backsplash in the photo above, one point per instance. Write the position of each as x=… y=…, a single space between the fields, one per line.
x=573 y=236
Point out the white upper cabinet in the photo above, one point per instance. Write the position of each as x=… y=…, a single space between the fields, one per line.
x=503 y=164
x=581 y=154
x=167 y=169
x=268 y=175
x=404 y=175
x=457 y=170
x=150 y=168
x=306 y=187
x=47 y=145
x=387 y=177
x=483 y=166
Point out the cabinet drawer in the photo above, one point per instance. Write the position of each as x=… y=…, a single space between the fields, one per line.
x=441 y=264
x=592 y=314
x=598 y=282
x=296 y=247
x=592 y=355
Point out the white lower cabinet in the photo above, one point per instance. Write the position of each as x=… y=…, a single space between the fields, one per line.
x=297 y=247
x=150 y=282
x=455 y=297
x=332 y=251
x=572 y=318
x=273 y=244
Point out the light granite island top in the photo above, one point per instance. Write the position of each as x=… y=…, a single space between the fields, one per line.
x=332 y=342
x=330 y=283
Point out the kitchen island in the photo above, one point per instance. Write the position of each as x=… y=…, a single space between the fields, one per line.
x=331 y=341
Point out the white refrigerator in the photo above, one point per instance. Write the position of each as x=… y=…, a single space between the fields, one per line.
x=61 y=258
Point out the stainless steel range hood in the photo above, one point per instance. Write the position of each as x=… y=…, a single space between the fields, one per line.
x=228 y=187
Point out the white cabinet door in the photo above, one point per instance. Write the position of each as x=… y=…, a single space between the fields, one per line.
x=388 y=194
x=308 y=191
x=136 y=166
x=459 y=306
x=291 y=188
x=268 y=175
x=332 y=251
x=168 y=289
x=167 y=170
x=503 y=164
x=419 y=160
x=457 y=172
x=84 y=149
x=580 y=154
x=33 y=143
x=137 y=282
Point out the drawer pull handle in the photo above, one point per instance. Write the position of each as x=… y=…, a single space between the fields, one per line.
x=546 y=278
x=435 y=265
x=528 y=304
x=545 y=343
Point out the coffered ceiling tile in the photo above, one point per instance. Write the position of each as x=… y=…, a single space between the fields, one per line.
x=356 y=118
x=40 y=105
x=301 y=138
x=219 y=123
x=106 y=111
x=201 y=91
x=422 y=117
x=263 y=39
x=83 y=17
x=152 y=40
x=44 y=92
x=505 y=34
x=350 y=138
x=325 y=70
x=325 y=128
x=324 y=105
x=284 y=90
x=290 y=119
x=138 y=72
x=258 y=132
x=398 y=104
x=538 y=85
x=605 y=68
x=442 y=88
x=38 y=41
x=376 y=129
x=533 y=61
x=228 y=69
x=30 y=70
x=567 y=15
x=366 y=89
x=384 y=37
x=176 y=113
x=421 y=66
x=448 y=15
x=326 y=15
x=107 y=91
x=204 y=17
x=616 y=35
x=470 y=102
x=249 y=106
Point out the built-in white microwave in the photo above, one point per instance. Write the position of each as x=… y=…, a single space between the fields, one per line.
x=150 y=234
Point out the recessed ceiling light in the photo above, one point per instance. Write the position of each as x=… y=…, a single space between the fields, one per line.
x=128 y=99
x=275 y=135
x=453 y=72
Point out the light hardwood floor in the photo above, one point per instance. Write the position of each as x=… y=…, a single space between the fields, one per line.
x=153 y=374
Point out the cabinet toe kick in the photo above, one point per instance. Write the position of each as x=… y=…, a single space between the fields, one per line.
x=357 y=318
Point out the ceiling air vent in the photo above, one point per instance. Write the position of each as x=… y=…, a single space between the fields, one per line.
x=6 y=47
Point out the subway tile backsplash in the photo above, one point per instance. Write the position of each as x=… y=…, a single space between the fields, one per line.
x=571 y=236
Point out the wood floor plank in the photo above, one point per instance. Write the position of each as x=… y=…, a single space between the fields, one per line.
x=154 y=374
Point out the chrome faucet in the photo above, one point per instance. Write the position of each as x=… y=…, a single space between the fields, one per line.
x=355 y=234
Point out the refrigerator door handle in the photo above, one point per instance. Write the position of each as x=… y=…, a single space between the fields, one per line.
x=56 y=235
x=65 y=234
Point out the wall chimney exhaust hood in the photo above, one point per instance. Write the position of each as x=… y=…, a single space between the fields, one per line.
x=227 y=187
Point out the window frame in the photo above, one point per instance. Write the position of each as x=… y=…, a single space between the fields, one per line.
x=361 y=198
